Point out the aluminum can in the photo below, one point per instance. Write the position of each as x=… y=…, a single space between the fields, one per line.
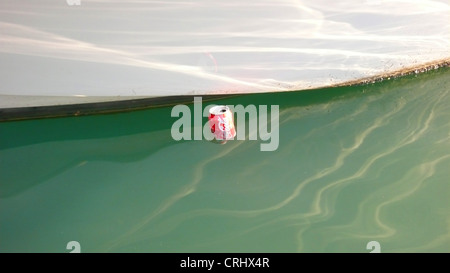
x=221 y=123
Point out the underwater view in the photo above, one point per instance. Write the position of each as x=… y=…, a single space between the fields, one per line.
x=350 y=165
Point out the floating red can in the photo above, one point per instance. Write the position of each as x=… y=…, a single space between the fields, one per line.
x=221 y=123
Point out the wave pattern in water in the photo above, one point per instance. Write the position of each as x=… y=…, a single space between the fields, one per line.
x=354 y=164
x=153 y=48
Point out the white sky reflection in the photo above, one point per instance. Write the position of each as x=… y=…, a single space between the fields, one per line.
x=156 y=48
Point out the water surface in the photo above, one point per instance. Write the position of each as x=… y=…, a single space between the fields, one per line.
x=158 y=48
x=354 y=164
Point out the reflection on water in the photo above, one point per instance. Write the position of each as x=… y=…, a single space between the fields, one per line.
x=145 y=48
x=354 y=165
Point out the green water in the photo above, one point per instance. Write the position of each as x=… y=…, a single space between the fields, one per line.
x=354 y=164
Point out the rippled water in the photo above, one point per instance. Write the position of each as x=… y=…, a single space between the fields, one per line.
x=152 y=48
x=354 y=164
